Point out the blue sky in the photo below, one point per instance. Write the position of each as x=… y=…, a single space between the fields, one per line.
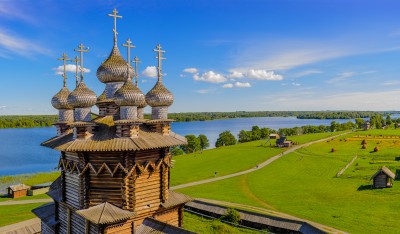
x=221 y=55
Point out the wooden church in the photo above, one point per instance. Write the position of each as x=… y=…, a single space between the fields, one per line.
x=115 y=168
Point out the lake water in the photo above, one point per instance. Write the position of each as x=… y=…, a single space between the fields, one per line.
x=20 y=150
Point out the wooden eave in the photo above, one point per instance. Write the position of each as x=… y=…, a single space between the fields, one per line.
x=46 y=213
x=175 y=199
x=386 y=171
x=105 y=139
x=153 y=226
x=105 y=213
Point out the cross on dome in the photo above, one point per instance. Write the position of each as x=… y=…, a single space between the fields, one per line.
x=76 y=61
x=129 y=45
x=160 y=58
x=81 y=49
x=115 y=16
x=136 y=61
x=65 y=59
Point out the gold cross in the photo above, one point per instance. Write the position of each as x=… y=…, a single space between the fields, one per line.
x=160 y=58
x=129 y=46
x=136 y=61
x=81 y=48
x=115 y=16
x=76 y=60
x=65 y=59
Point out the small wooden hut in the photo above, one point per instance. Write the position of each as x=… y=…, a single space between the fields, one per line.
x=283 y=142
x=19 y=190
x=274 y=136
x=383 y=178
x=367 y=125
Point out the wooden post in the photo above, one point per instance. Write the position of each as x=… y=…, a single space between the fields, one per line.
x=68 y=220
x=87 y=226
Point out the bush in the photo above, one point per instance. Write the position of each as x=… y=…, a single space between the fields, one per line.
x=232 y=216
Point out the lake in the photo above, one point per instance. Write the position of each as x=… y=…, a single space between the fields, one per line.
x=20 y=150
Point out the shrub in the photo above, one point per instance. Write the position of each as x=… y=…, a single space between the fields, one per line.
x=232 y=216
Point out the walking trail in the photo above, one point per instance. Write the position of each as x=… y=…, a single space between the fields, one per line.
x=261 y=165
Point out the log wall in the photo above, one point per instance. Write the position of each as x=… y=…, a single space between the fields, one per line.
x=147 y=192
x=46 y=229
x=380 y=181
x=121 y=228
x=170 y=216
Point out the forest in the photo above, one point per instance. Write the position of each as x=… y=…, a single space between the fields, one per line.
x=29 y=121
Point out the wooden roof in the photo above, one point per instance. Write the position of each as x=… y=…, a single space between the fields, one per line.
x=386 y=171
x=175 y=198
x=105 y=213
x=105 y=139
x=268 y=220
x=153 y=226
x=46 y=213
x=19 y=187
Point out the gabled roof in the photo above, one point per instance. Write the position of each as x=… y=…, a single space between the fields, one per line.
x=175 y=198
x=153 y=226
x=46 y=213
x=105 y=213
x=19 y=187
x=105 y=139
x=386 y=171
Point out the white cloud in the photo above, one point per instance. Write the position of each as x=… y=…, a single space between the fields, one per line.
x=242 y=85
x=341 y=77
x=190 y=70
x=150 y=71
x=210 y=76
x=295 y=84
x=227 y=86
x=306 y=73
x=14 y=44
x=182 y=75
x=263 y=75
x=69 y=68
x=236 y=74
x=202 y=91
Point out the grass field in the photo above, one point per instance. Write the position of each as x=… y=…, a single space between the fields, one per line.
x=202 y=225
x=304 y=184
x=16 y=213
x=228 y=160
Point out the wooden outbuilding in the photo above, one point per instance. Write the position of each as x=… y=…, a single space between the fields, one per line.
x=19 y=190
x=383 y=178
x=283 y=142
x=367 y=125
x=274 y=136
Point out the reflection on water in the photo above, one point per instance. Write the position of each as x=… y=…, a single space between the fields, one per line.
x=20 y=150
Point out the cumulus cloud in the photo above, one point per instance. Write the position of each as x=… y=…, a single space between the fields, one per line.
x=227 y=86
x=150 y=71
x=69 y=68
x=242 y=85
x=236 y=74
x=261 y=74
x=190 y=70
x=210 y=76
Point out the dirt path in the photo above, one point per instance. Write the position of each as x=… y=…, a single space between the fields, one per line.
x=273 y=213
x=27 y=226
x=261 y=165
x=11 y=202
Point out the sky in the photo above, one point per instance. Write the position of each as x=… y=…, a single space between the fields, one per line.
x=237 y=55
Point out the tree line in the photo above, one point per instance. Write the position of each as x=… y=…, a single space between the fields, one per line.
x=27 y=121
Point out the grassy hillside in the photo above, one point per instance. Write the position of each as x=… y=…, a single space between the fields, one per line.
x=304 y=184
x=229 y=159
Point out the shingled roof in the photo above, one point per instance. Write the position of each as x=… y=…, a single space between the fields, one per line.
x=385 y=170
x=19 y=187
x=153 y=226
x=175 y=198
x=105 y=213
x=46 y=213
x=105 y=139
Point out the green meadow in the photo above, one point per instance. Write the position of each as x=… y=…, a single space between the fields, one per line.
x=230 y=159
x=16 y=213
x=304 y=184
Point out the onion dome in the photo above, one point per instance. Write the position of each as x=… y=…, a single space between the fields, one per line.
x=82 y=97
x=102 y=97
x=113 y=69
x=159 y=96
x=129 y=95
x=60 y=100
